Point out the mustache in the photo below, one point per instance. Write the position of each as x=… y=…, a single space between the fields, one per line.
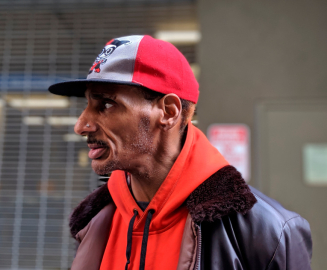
x=93 y=140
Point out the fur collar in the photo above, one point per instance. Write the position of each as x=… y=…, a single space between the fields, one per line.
x=224 y=193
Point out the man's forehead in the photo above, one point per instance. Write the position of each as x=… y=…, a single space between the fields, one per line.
x=106 y=90
x=99 y=91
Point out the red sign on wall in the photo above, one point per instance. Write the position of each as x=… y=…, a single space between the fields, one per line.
x=233 y=142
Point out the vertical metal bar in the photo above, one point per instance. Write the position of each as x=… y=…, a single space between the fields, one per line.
x=23 y=146
x=68 y=193
x=3 y=91
x=6 y=54
x=70 y=151
x=93 y=180
x=5 y=78
x=46 y=156
x=4 y=88
x=44 y=192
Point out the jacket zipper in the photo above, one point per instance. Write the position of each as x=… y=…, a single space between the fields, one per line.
x=199 y=235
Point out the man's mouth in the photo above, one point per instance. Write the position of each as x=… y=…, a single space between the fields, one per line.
x=96 y=150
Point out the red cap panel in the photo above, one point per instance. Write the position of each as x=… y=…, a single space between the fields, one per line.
x=159 y=66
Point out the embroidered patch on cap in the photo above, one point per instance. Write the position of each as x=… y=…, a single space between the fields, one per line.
x=105 y=53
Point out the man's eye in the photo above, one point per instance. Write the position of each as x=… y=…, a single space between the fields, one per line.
x=107 y=105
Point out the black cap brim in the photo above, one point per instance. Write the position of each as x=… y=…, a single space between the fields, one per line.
x=77 y=88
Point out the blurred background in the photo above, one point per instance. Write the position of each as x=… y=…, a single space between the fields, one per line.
x=262 y=68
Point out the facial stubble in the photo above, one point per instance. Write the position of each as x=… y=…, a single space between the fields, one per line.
x=137 y=144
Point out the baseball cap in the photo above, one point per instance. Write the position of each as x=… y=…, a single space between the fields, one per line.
x=141 y=61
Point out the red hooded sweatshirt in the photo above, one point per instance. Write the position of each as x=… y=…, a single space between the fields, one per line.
x=197 y=161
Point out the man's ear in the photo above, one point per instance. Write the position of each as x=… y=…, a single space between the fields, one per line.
x=171 y=108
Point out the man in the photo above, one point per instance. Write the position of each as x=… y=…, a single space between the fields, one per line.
x=173 y=201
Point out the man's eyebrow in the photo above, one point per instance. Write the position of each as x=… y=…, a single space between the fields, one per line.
x=98 y=96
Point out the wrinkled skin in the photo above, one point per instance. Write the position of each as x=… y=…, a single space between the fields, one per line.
x=120 y=130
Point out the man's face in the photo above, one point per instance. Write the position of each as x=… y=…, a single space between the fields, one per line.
x=117 y=122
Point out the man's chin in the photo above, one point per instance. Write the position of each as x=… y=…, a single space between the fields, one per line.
x=102 y=167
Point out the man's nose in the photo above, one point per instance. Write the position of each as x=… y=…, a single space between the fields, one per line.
x=84 y=125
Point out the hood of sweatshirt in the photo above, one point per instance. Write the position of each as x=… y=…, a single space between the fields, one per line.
x=197 y=161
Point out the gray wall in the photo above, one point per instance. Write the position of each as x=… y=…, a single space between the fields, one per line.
x=256 y=50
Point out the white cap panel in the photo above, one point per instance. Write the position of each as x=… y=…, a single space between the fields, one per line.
x=117 y=60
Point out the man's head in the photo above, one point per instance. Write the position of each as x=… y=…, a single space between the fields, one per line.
x=141 y=93
x=126 y=125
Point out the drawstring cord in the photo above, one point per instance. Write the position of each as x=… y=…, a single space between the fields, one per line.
x=129 y=239
x=144 y=240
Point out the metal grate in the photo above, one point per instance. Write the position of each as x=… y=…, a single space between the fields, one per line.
x=41 y=179
x=41 y=46
x=44 y=169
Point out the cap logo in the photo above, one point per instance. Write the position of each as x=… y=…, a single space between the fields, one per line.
x=106 y=52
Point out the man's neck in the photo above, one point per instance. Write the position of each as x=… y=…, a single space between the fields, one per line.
x=146 y=180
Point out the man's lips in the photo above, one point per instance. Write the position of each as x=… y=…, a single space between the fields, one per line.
x=96 y=150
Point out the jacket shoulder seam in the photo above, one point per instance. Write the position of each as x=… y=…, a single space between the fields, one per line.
x=257 y=196
x=280 y=237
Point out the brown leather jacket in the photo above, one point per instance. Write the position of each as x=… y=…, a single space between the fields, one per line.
x=229 y=226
